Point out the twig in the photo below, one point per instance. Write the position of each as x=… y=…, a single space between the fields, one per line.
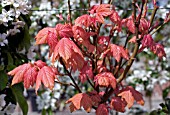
x=110 y=1
x=132 y=58
x=122 y=76
x=69 y=9
x=90 y=82
x=101 y=1
x=67 y=84
x=69 y=74
x=159 y=27
x=89 y=4
x=153 y=15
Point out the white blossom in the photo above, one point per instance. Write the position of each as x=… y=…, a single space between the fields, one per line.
x=47 y=100
x=3 y=40
x=31 y=54
x=2 y=101
x=13 y=31
x=5 y=16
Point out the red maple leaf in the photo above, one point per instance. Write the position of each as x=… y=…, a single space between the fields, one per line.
x=117 y=52
x=40 y=64
x=30 y=76
x=84 y=20
x=158 y=49
x=102 y=110
x=19 y=72
x=80 y=100
x=95 y=97
x=128 y=22
x=45 y=75
x=47 y=35
x=115 y=18
x=83 y=38
x=70 y=53
x=43 y=35
x=64 y=31
x=130 y=94
x=118 y=104
x=144 y=26
x=105 y=79
x=31 y=73
x=101 y=11
x=85 y=72
x=103 y=42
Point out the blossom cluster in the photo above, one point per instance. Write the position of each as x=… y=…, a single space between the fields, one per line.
x=145 y=78
x=9 y=17
x=48 y=99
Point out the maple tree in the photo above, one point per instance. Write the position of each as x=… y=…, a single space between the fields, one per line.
x=79 y=46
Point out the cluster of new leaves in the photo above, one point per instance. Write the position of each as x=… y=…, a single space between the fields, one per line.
x=79 y=46
x=34 y=73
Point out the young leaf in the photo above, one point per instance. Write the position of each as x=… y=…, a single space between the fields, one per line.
x=70 y=53
x=83 y=37
x=64 y=31
x=103 y=42
x=128 y=22
x=118 y=104
x=40 y=64
x=115 y=18
x=19 y=72
x=84 y=20
x=45 y=75
x=118 y=51
x=101 y=11
x=30 y=77
x=79 y=100
x=86 y=71
x=144 y=26
x=102 y=110
x=95 y=97
x=41 y=37
x=47 y=35
x=105 y=79
x=130 y=94
x=158 y=49
x=147 y=41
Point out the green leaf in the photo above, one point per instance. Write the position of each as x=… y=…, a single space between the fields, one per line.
x=10 y=62
x=17 y=91
x=3 y=80
x=2 y=67
x=25 y=43
x=43 y=112
x=165 y=92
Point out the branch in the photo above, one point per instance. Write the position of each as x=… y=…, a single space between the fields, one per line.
x=110 y=1
x=89 y=4
x=67 y=84
x=153 y=15
x=69 y=9
x=132 y=58
x=135 y=51
x=101 y=1
x=69 y=74
x=84 y=52
x=159 y=27
x=90 y=82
